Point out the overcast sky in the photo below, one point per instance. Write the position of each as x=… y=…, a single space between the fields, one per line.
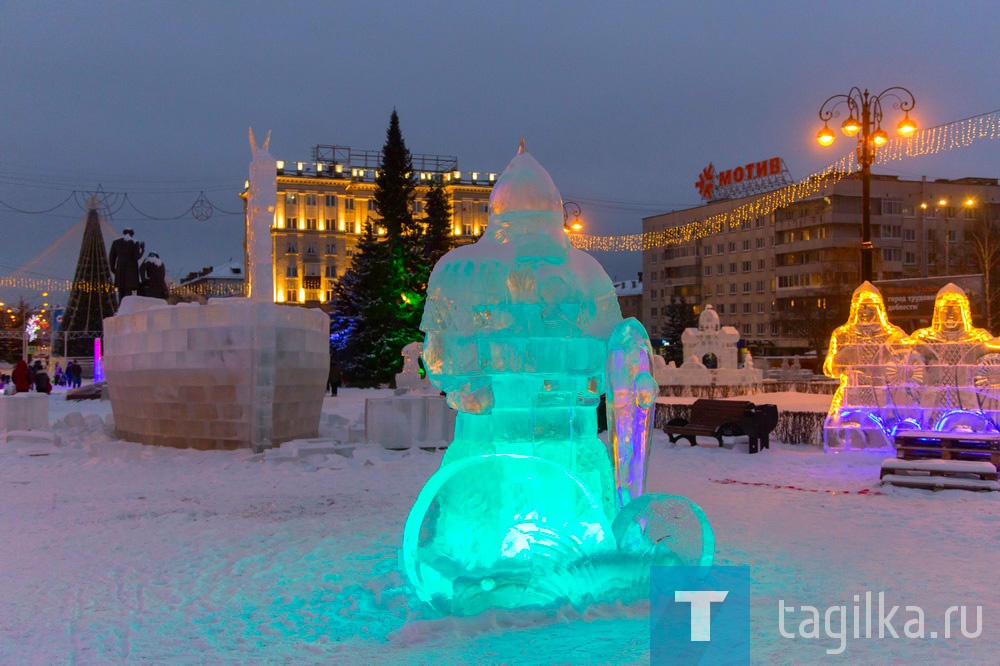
x=624 y=103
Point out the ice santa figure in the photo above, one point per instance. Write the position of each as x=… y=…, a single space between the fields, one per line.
x=517 y=327
x=524 y=334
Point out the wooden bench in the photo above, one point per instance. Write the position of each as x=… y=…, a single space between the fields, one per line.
x=920 y=444
x=710 y=418
x=940 y=474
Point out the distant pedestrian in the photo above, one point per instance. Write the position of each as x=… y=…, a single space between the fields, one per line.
x=20 y=376
x=333 y=379
x=77 y=375
x=42 y=382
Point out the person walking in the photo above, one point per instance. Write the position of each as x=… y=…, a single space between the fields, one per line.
x=333 y=379
x=77 y=375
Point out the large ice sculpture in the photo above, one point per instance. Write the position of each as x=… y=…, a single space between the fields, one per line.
x=943 y=377
x=525 y=508
x=238 y=372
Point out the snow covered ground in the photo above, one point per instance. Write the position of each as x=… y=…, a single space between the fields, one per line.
x=113 y=552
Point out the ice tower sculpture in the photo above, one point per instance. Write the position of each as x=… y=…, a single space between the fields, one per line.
x=944 y=377
x=524 y=335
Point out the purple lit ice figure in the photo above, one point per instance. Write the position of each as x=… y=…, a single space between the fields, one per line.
x=524 y=334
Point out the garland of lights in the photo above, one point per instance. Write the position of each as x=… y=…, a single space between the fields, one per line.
x=958 y=134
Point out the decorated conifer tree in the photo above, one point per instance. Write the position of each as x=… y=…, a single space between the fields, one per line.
x=379 y=301
x=365 y=336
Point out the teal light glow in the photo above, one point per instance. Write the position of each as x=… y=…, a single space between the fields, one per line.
x=524 y=335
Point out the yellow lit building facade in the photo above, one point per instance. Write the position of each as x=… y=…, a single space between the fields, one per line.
x=323 y=204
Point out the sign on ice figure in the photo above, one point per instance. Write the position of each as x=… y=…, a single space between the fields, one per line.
x=741 y=181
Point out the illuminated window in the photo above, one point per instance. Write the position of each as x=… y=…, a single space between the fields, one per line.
x=291 y=200
x=310 y=199
x=291 y=247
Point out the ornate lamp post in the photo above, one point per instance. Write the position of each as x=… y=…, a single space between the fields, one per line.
x=865 y=120
x=576 y=225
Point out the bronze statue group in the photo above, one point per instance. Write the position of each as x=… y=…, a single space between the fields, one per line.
x=132 y=278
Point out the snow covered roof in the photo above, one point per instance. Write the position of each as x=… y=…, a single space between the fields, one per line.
x=231 y=270
x=629 y=288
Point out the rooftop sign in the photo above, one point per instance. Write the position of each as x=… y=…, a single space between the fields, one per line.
x=742 y=181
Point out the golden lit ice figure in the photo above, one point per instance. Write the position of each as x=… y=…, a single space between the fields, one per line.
x=952 y=320
x=951 y=347
x=855 y=357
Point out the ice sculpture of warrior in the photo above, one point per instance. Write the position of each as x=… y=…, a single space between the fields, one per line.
x=951 y=347
x=952 y=320
x=857 y=352
x=524 y=334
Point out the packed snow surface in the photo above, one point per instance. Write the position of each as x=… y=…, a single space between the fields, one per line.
x=115 y=552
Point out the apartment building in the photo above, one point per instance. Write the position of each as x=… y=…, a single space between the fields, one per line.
x=785 y=265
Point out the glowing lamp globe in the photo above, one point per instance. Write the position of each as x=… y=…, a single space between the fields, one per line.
x=851 y=126
x=825 y=136
x=880 y=138
x=906 y=126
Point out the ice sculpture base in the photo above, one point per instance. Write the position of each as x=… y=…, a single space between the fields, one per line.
x=227 y=375
x=407 y=421
x=24 y=411
x=517 y=532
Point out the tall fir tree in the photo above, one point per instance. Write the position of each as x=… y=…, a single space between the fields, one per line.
x=437 y=230
x=365 y=337
x=378 y=302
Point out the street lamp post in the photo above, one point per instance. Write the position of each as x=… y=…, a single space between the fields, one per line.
x=865 y=120
x=574 y=207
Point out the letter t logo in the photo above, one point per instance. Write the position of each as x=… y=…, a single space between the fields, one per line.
x=701 y=607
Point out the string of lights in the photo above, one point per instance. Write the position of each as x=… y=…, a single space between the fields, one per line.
x=953 y=135
x=112 y=202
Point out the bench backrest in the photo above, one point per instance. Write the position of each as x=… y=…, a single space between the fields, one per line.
x=714 y=413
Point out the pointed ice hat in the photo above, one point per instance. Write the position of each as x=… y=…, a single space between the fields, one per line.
x=525 y=201
x=524 y=186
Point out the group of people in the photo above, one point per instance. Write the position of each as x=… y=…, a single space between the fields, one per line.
x=132 y=278
x=25 y=377
x=72 y=376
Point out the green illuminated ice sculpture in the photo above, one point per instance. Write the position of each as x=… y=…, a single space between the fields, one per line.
x=524 y=335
